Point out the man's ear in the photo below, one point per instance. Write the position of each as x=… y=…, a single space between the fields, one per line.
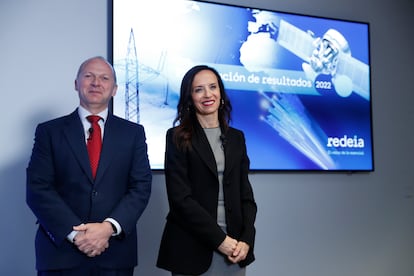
x=114 y=90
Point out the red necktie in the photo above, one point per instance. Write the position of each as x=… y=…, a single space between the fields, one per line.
x=94 y=142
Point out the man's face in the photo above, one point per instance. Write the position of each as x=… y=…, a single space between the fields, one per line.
x=95 y=85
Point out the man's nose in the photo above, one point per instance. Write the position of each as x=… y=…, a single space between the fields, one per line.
x=96 y=82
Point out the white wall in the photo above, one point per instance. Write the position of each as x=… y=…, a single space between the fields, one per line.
x=314 y=224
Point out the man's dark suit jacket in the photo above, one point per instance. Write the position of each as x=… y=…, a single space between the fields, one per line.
x=62 y=193
x=191 y=233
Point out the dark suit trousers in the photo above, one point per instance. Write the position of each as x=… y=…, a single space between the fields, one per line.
x=88 y=270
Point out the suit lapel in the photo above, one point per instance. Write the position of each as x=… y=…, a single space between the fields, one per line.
x=76 y=140
x=108 y=148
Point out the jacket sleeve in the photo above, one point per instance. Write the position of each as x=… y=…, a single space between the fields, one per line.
x=249 y=207
x=53 y=214
x=133 y=203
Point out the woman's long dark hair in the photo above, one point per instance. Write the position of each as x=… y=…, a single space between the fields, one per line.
x=186 y=113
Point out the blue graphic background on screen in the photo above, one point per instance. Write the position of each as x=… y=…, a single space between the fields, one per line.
x=336 y=115
x=221 y=32
x=339 y=115
x=266 y=149
x=355 y=33
x=215 y=35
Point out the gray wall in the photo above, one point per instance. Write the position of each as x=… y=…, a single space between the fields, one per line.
x=316 y=224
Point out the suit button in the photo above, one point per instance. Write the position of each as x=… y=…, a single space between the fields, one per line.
x=94 y=193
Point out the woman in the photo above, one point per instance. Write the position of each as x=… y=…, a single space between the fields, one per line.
x=210 y=225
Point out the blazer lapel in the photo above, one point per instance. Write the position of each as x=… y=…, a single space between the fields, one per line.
x=201 y=146
x=76 y=140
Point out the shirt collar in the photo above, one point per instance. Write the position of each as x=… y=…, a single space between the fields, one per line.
x=83 y=113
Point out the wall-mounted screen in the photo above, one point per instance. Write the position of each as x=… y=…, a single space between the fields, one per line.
x=299 y=85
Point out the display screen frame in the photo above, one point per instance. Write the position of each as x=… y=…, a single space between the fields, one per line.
x=311 y=153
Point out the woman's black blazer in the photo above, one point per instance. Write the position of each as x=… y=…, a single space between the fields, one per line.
x=191 y=233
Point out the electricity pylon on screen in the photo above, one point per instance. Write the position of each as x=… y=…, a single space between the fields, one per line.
x=131 y=81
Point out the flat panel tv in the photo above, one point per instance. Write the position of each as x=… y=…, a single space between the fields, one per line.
x=299 y=85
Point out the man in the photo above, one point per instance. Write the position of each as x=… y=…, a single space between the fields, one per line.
x=87 y=220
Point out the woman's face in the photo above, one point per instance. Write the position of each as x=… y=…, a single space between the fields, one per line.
x=205 y=93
